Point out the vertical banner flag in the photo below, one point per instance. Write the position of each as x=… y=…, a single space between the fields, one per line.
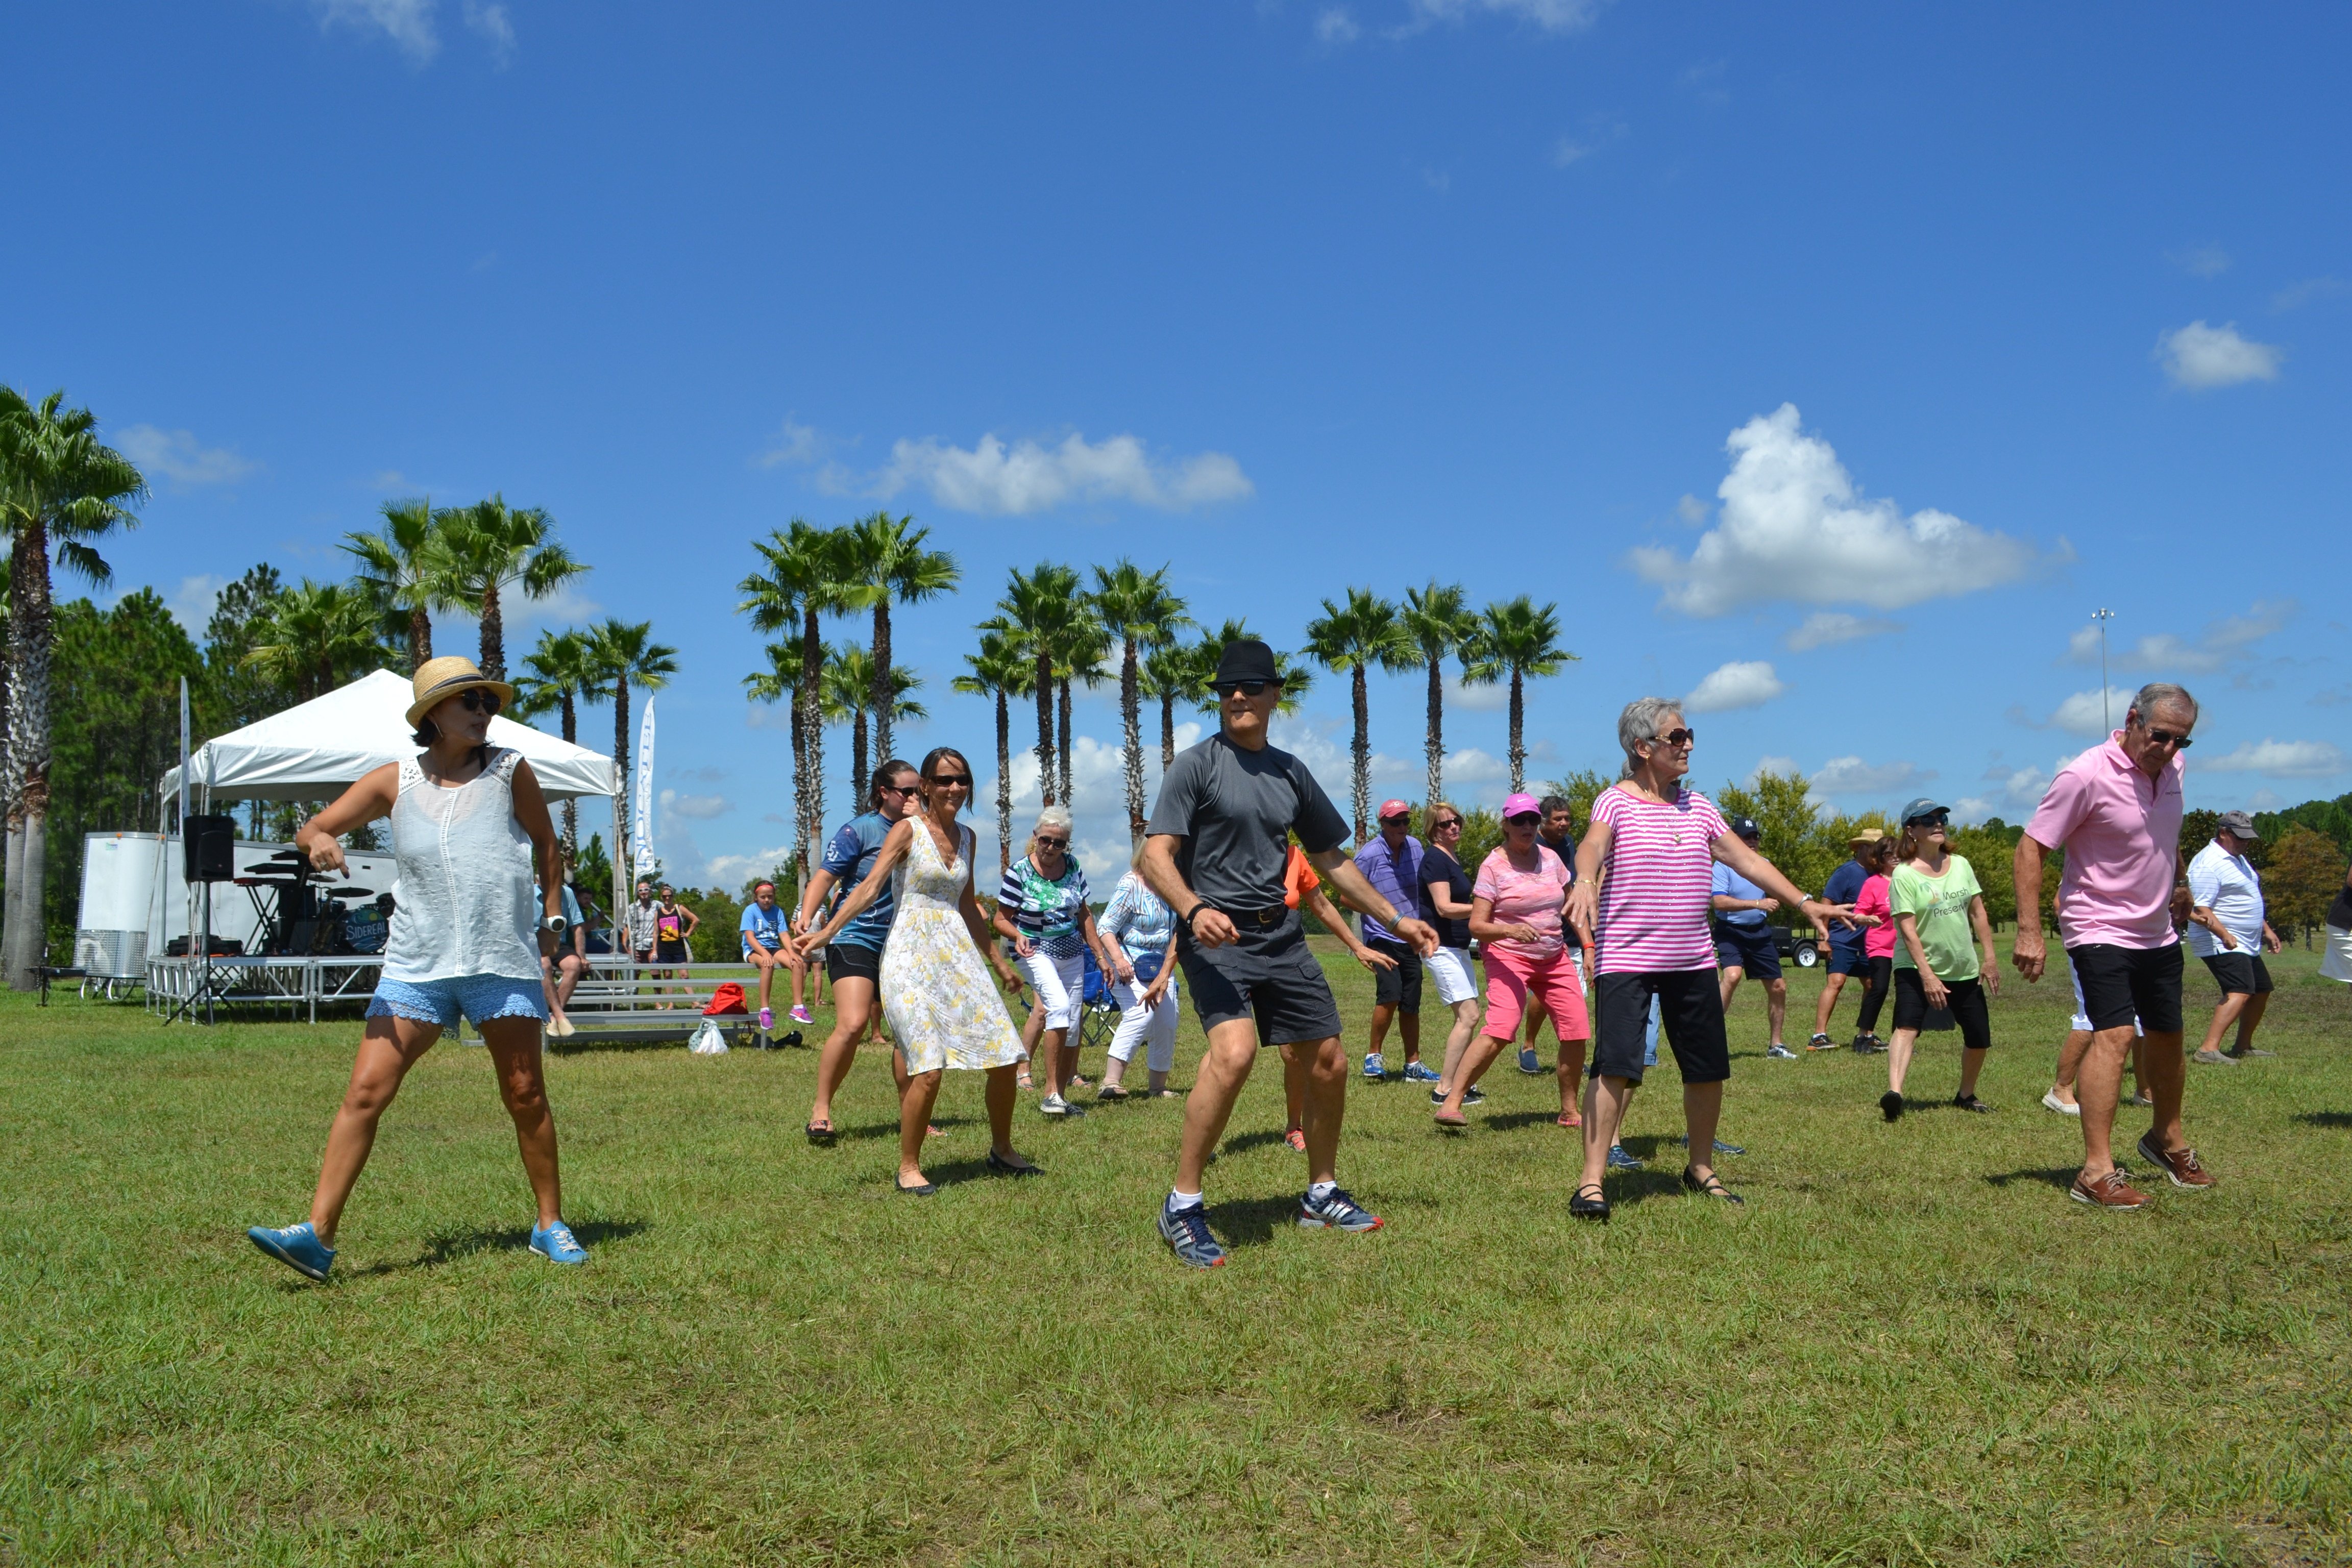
x=641 y=829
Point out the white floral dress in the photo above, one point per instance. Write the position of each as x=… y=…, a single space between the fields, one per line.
x=936 y=989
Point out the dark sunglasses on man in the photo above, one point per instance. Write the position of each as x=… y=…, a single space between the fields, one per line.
x=1246 y=687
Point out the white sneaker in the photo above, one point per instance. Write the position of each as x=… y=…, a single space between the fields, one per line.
x=1055 y=1105
x=2051 y=1102
x=1781 y=1053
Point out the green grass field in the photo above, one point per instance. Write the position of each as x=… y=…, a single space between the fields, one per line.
x=1908 y=1347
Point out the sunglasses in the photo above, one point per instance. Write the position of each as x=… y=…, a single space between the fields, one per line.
x=478 y=699
x=1441 y=826
x=1941 y=819
x=1245 y=688
x=895 y=789
x=951 y=781
x=2168 y=738
x=1044 y=843
x=1678 y=738
x=1524 y=819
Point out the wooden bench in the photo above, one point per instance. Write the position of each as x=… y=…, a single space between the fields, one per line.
x=619 y=1002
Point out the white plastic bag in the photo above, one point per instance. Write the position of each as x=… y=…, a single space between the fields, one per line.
x=709 y=1039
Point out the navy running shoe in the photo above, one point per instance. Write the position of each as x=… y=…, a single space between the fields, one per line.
x=1186 y=1232
x=1335 y=1211
x=1528 y=1064
x=1621 y=1160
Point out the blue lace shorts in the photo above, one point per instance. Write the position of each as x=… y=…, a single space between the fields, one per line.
x=480 y=998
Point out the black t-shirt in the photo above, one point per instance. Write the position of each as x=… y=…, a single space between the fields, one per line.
x=2339 y=913
x=1235 y=810
x=1566 y=850
x=1440 y=870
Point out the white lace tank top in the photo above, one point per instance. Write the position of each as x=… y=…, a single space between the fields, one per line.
x=463 y=902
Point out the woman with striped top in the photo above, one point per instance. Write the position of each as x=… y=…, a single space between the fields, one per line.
x=1043 y=911
x=1643 y=888
x=1144 y=930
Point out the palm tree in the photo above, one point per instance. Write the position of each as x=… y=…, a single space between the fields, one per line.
x=558 y=676
x=1000 y=671
x=1298 y=680
x=884 y=558
x=620 y=655
x=803 y=581
x=1078 y=657
x=314 y=637
x=1138 y=609
x=399 y=564
x=1173 y=673
x=1357 y=636
x=488 y=548
x=60 y=488
x=1038 y=609
x=1438 y=621
x=849 y=685
x=1518 y=639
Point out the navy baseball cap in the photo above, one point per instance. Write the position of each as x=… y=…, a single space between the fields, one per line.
x=1922 y=808
x=1745 y=827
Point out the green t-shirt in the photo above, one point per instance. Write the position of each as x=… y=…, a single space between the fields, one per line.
x=1940 y=905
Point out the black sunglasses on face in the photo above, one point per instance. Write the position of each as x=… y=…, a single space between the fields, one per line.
x=1245 y=688
x=478 y=699
x=1941 y=819
x=1678 y=738
x=1525 y=819
x=1449 y=822
x=951 y=781
x=2168 y=738
x=1044 y=843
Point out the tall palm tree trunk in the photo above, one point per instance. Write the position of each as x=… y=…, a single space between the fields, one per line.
x=624 y=874
x=1518 y=744
x=813 y=729
x=1166 y=732
x=799 y=794
x=1046 y=728
x=857 y=760
x=884 y=699
x=1069 y=786
x=570 y=807
x=1362 y=751
x=1435 y=746
x=29 y=758
x=1130 y=713
x=494 y=635
x=420 y=638
x=1004 y=782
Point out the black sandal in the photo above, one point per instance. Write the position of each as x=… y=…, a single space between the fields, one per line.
x=1712 y=1187
x=820 y=1136
x=1594 y=1207
x=1005 y=1167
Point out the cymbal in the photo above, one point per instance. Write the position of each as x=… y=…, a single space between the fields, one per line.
x=350 y=893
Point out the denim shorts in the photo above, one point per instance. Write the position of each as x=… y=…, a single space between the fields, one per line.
x=480 y=998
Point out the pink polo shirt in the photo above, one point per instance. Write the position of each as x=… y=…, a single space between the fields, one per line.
x=2122 y=834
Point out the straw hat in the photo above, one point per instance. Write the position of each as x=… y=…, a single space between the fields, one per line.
x=1867 y=836
x=438 y=679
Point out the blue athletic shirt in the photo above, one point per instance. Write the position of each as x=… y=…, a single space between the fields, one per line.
x=849 y=857
x=1730 y=884
x=769 y=925
x=1844 y=886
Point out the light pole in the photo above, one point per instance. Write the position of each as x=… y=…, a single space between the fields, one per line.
x=2106 y=719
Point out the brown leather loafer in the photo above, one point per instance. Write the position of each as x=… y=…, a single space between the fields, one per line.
x=2181 y=1168
x=2107 y=1192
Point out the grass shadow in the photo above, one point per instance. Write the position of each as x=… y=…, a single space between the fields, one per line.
x=2059 y=1177
x=584 y=1043
x=957 y=1171
x=450 y=1246
x=1244 y=1143
x=1251 y=1222
x=1513 y=1118
x=1624 y=1187
x=2337 y=1119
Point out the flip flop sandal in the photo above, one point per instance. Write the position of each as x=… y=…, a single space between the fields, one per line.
x=820 y=1133
x=1571 y=1120
x=1450 y=1120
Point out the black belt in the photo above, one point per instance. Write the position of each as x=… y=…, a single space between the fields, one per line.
x=1258 y=919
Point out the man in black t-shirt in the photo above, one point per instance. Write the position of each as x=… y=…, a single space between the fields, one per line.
x=1215 y=850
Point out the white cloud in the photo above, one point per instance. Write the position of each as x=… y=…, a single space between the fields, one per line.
x=730 y=872
x=521 y=617
x=2227 y=641
x=2201 y=357
x=2267 y=800
x=1027 y=476
x=1493 y=696
x=192 y=606
x=1826 y=628
x=1472 y=765
x=2294 y=296
x=1852 y=775
x=1739 y=684
x=2279 y=759
x=1793 y=528
x=776 y=715
x=407 y=23
x=1691 y=510
x=2203 y=261
x=180 y=457
x=1565 y=152
x=696 y=807
x=794 y=444
x=1547 y=15
x=2090 y=713
x=494 y=25
x=1768 y=763
x=1335 y=25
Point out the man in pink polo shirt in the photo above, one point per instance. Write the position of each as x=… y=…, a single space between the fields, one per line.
x=2116 y=809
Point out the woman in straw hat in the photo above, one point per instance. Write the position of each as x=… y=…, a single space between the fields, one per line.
x=469 y=829
x=1844 y=951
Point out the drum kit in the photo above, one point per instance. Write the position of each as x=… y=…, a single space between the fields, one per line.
x=299 y=911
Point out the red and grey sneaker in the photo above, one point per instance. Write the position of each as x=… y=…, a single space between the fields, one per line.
x=2180 y=1167
x=2107 y=1192
x=1186 y=1232
x=1335 y=1210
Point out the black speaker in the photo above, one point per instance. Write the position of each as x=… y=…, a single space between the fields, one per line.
x=210 y=845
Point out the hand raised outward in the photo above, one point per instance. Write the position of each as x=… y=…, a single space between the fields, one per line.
x=1819 y=913
x=1372 y=959
x=1420 y=934
x=1211 y=928
x=2028 y=954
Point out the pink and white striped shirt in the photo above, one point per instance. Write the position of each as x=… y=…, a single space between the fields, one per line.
x=1654 y=889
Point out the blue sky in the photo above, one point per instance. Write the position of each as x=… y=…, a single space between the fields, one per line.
x=1736 y=330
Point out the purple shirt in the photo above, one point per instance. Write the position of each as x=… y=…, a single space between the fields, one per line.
x=1395 y=875
x=2122 y=834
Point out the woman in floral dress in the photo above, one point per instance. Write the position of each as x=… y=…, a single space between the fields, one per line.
x=934 y=976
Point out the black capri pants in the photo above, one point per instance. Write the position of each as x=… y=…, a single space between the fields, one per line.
x=1967 y=1003
x=1873 y=996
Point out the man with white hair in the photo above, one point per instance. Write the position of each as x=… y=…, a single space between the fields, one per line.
x=2227 y=930
x=2116 y=809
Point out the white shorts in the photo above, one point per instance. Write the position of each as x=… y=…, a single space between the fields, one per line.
x=2335 y=963
x=2081 y=1022
x=1449 y=968
x=1061 y=985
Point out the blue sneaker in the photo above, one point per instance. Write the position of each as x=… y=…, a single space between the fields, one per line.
x=1474 y=1095
x=1781 y=1053
x=1528 y=1062
x=1374 y=1068
x=557 y=1244
x=1186 y=1232
x=1621 y=1160
x=1336 y=1211
x=1418 y=1071
x=1720 y=1146
x=297 y=1247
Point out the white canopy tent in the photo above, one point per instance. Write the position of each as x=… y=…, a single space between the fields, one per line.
x=316 y=749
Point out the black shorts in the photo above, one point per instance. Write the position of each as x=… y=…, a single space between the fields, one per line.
x=845 y=961
x=672 y=952
x=1849 y=960
x=1690 y=1009
x=2120 y=983
x=1966 y=997
x=2241 y=972
x=1269 y=976
x=1399 y=987
x=1753 y=950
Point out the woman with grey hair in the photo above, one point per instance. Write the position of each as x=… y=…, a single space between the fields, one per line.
x=1644 y=875
x=1042 y=910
